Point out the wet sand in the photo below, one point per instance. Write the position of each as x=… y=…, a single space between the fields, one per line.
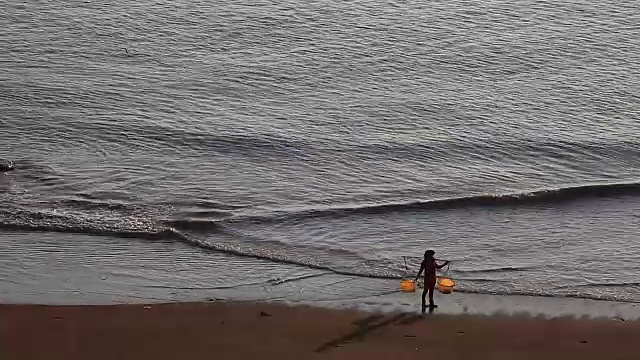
x=218 y=330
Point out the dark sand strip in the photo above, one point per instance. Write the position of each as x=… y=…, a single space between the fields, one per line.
x=271 y=331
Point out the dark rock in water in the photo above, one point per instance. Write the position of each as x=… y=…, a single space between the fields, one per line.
x=6 y=165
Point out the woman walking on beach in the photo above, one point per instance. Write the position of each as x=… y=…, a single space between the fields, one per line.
x=429 y=266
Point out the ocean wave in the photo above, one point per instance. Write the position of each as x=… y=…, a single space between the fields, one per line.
x=209 y=215
x=54 y=221
x=208 y=204
x=330 y=143
x=337 y=261
x=301 y=257
x=601 y=285
x=87 y=204
x=89 y=215
x=194 y=224
x=532 y=198
x=344 y=261
x=496 y=269
x=146 y=135
x=549 y=294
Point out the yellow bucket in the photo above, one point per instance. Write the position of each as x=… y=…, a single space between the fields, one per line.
x=408 y=285
x=446 y=285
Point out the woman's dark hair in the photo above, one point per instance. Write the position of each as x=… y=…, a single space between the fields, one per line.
x=429 y=253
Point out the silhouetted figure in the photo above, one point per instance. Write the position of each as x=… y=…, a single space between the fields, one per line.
x=429 y=266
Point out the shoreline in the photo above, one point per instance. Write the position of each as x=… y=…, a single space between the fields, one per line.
x=101 y=270
x=231 y=330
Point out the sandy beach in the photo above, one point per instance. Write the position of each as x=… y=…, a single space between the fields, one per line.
x=272 y=331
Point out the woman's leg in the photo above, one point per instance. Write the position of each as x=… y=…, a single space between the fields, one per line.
x=424 y=300
x=431 y=288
